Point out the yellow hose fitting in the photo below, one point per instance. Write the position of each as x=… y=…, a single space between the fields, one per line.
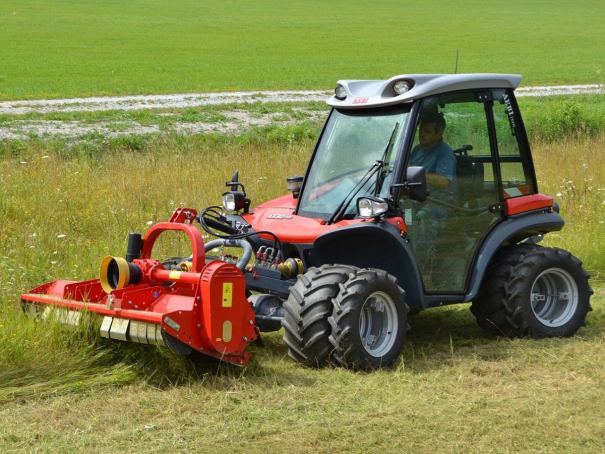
x=114 y=273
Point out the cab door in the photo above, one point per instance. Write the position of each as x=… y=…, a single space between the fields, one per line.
x=448 y=228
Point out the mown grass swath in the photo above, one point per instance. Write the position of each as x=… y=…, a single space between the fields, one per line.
x=65 y=49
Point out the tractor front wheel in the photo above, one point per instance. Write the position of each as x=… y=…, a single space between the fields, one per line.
x=307 y=310
x=369 y=322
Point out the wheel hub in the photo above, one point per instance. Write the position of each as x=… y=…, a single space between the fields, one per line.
x=554 y=297
x=378 y=324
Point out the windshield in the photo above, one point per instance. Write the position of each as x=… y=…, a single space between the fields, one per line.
x=353 y=141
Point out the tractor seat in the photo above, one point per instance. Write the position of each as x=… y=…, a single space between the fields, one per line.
x=470 y=174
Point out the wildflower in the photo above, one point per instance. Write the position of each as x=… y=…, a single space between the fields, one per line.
x=150 y=223
x=54 y=262
x=23 y=162
x=559 y=194
x=585 y=165
x=61 y=236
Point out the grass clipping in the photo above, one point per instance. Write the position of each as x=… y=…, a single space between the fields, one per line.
x=41 y=360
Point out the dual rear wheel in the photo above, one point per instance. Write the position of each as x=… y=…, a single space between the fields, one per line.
x=533 y=291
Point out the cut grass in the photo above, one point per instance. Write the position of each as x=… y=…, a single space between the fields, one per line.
x=64 y=49
x=455 y=389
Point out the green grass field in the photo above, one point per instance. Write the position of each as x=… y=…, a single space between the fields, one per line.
x=108 y=47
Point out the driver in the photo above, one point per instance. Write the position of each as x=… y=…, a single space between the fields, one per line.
x=439 y=163
x=433 y=153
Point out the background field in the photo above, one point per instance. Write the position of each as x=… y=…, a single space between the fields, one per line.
x=65 y=48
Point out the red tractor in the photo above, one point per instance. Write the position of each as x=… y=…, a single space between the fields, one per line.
x=421 y=192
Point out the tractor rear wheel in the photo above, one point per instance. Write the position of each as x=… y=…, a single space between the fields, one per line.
x=487 y=307
x=369 y=322
x=307 y=310
x=546 y=294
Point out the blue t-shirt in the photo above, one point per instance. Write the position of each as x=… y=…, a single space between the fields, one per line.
x=439 y=159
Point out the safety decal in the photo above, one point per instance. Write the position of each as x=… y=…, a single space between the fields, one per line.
x=227 y=294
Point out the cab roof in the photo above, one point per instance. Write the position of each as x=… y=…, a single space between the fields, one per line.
x=375 y=93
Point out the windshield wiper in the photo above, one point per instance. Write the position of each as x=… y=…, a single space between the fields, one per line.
x=383 y=161
x=340 y=210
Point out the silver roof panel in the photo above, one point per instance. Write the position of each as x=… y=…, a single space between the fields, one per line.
x=375 y=93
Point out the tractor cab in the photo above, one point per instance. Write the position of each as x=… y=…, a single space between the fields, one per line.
x=371 y=161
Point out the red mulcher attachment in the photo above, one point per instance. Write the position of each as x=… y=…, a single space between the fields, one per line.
x=204 y=309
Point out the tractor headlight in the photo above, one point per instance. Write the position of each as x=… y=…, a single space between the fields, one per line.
x=401 y=87
x=340 y=92
x=371 y=207
x=233 y=201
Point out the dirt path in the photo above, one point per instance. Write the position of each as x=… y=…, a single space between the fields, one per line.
x=236 y=120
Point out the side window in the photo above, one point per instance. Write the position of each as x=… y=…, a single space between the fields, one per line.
x=516 y=166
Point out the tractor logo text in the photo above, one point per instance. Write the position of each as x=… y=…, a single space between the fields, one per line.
x=278 y=216
x=509 y=111
x=361 y=100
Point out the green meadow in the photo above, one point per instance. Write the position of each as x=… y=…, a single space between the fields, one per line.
x=67 y=48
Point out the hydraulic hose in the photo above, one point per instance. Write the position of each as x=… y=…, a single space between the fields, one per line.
x=241 y=264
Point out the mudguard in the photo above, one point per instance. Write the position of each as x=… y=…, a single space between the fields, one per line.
x=374 y=245
x=511 y=230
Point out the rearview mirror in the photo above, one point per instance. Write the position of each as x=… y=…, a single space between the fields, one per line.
x=416 y=183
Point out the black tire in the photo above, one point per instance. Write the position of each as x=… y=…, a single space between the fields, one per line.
x=487 y=307
x=546 y=294
x=370 y=307
x=307 y=310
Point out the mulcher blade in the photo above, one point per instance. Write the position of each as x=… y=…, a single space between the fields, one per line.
x=131 y=330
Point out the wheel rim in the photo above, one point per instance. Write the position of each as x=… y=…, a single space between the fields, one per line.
x=378 y=324
x=554 y=297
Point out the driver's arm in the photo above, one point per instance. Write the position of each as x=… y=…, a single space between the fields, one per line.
x=445 y=167
x=438 y=180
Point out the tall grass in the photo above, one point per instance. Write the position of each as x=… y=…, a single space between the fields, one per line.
x=572 y=171
x=62 y=210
